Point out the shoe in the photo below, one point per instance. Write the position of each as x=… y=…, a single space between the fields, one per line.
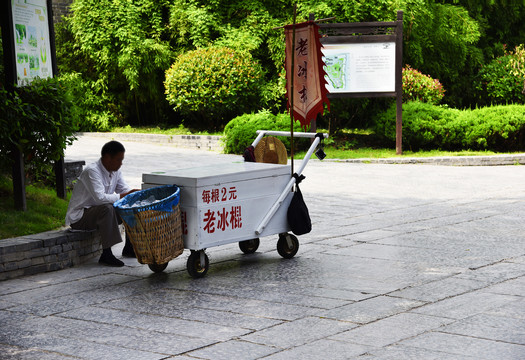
x=128 y=251
x=110 y=260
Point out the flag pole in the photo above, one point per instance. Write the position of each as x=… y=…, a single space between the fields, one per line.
x=292 y=69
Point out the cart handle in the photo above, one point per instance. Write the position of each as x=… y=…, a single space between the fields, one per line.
x=262 y=133
x=290 y=184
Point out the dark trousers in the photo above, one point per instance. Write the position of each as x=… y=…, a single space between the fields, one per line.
x=105 y=219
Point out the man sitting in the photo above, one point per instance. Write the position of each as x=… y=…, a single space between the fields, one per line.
x=91 y=206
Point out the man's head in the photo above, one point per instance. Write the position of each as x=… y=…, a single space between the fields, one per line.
x=112 y=155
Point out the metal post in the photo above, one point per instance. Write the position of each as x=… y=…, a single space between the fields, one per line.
x=18 y=174
x=292 y=70
x=399 y=83
x=313 y=122
x=60 y=176
x=19 y=188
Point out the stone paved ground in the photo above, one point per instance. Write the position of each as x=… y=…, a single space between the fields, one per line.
x=404 y=262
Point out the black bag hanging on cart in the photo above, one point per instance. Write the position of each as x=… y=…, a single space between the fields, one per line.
x=298 y=215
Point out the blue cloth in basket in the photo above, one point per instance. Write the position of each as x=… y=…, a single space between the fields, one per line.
x=168 y=194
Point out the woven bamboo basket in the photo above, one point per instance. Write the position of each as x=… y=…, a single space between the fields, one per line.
x=155 y=230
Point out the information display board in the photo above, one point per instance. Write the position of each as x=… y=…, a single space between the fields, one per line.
x=360 y=67
x=31 y=40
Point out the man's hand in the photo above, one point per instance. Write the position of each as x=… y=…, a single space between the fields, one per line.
x=129 y=192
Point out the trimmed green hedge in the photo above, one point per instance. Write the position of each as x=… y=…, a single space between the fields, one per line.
x=426 y=126
x=241 y=131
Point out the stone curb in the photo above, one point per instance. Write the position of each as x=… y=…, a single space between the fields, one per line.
x=491 y=160
x=197 y=142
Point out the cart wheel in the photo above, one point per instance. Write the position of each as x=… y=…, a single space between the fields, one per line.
x=287 y=246
x=158 y=268
x=194 y=266
x=249 y=246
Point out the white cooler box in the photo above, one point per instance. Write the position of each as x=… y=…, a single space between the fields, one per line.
x=225 y=203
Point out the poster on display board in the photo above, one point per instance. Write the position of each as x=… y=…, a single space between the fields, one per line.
x=32 y=44
x=360 y=67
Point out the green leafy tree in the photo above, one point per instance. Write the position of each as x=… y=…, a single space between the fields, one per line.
x=95 y=109
x=123 y=44
x=500 y=21
x=2 y=74
x=122 y=48
x=440 y=40
x=350 y=11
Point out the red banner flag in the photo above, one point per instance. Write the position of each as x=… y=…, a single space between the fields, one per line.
x=309 y=81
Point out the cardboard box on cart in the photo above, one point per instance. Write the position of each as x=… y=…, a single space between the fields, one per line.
x=225 y=203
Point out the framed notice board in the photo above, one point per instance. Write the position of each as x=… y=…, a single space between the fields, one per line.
x=365 y=60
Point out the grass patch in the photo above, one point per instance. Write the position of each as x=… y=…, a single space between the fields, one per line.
x=363 y=144
x=45 y=211
x=372 y=153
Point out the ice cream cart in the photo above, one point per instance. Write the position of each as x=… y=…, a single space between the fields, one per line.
x=234 y=202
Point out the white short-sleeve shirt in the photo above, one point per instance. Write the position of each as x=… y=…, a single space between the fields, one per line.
x=95 y=186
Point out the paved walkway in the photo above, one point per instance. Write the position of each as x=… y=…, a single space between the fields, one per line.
x=404 y=262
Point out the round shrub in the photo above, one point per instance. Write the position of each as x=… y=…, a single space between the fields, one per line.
x=241 y=131
x=213 y=85
x=417 y=86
